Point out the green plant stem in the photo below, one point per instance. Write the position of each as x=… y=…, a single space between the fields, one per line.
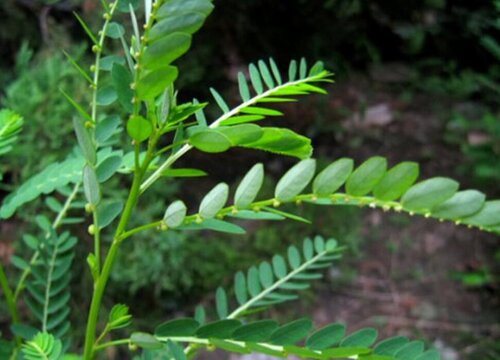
x=10 y=300
x=97 y=241
x=111 y=344
x=55 y=224
x=100 y=283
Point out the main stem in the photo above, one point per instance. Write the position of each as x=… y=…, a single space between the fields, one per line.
x=100 y=283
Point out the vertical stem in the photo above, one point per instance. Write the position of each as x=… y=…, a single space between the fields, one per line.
x=100 y=285
x=9 y=298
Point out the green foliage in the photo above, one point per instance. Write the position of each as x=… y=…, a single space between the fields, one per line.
x=138 y=87
x=10 y=126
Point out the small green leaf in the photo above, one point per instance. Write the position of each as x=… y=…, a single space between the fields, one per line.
x=220 y=101
x=366 y=176
x=188 y=22
x=254 y=110
x=292 y=332
x=361 y=338
x=255 y=215
x=266 y=274
x=121 y=80
x=243 y=87
x=221 y=303
x=326 y=337
x=295 y=180
x=241 y=134
x=266 y=75
x=410 y=351
x=145 y=341
x=429 y=193
x=106 y=95
x=397 y=181
x=253 y=281
x=292 y=70
x=390 y=346
x=177 y=327
x=108 y=211
x=85 y=142
x=175 y=214
x=429 y=355
x=331 y=178
x=166 y=50
x=240 y=288
x=462 y=204
x=275 y=70
x=115 y=30
x=257 y=331
x=282 y=141
x=488 y=216
x=214 y=201
x=200 y=314
x=249 y=187
x=210 y=141
x=279 y=266
x=187 y=172
x=119 y=317
x=294 y=257
x=215 y=225
x=91 y=185
x=154 y=83
x=139 y=128
x=107 y=168
x=255 y=79
x=221 y=329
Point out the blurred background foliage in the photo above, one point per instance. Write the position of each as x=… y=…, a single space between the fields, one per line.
x=439 y=59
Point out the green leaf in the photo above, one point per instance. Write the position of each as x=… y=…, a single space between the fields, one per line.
x=221 y=329
x=241 y=134
x=175 y=214
x=254 y=215
x=115 y=30
x=275 y=70
x=254 y=110
x=282 y=141
x=210 y=141
x=488 y=216
x=303 y=68
x=214 y=201
x=106 y=95
x=86 y=28
x=295 y=180
x=121 y=80
x=326 y=337
x=220 y=101
x=187 y=172
x=119 y=317
x=294 y=257
x=200 y=314
x=145 y=341
x=240 y=288
x=108 y=211
x=84 y=140
x=253 y=281
x=292 y=70
x=361 y=338
x=188 y=22
x=106 y=128
x=257 y=331
x=215 y=225
x=221 y=303
x=410 y=351
x=390 y=346
x=333 y=177
x=139 y=128
x=397 y=181
x=266 y=274
x=91 y=185
x=107 y=168
x=154 y=83
x=429 y=193
x=177 y=327
x=249 y=187
x=43 y=346
x=235 y=120
x=166 y=50
x=366 y=176
x=107 y=62
x=177 y=7
x=266 y=75
x=292 y=332
x=429 y=355
x=243 y=87
x=255 y=79
x=462 y=204
x=279 y=266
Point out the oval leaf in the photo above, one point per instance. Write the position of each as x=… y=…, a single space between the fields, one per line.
x=397 y=181
x=249 y=187
x=175 y=214
x=295 y=180
x=366 y=176
x=333 y=177
x=214 y=201
x=429 y=193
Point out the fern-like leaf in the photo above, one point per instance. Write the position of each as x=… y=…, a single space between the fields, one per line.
x=10 y=126
x=48 y=289
x=370 y=184
x=268 y=337
x=44 y=346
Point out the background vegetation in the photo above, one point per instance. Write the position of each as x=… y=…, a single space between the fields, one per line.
x=416 y=80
